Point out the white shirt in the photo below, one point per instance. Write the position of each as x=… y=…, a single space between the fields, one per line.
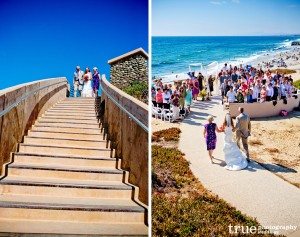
x=255 y=93
x=270 y=91
x=78 y=75
x=231 y=96
x=166 y=97
x=283 y=90
x=225 y=68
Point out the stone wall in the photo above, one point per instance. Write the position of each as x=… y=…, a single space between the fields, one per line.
x=128 y=69
x=15 y=124
x=265 y=109
x=128 y=138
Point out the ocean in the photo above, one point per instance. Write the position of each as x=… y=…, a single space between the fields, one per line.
x=174 y=54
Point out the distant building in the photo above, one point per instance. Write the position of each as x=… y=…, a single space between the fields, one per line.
x=129 y=67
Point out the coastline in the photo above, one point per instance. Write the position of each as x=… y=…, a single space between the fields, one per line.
x=272 y=57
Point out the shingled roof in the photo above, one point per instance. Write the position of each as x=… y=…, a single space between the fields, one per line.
x=126 y=55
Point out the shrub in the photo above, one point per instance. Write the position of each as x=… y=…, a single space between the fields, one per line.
x=170 y=134
x=195 y=216
x=283 y=71
x=297 y=84
x=170 y=168
x=137 y=89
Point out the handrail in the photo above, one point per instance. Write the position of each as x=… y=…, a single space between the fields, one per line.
x=9 y=108
x=124 y=110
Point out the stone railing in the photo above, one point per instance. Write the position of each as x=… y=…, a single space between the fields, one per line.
x=124 y=120
x=20 y=106
x=265 y=109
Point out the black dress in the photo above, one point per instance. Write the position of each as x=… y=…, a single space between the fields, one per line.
x=275 y=95
x=211 y=84
x=200 y=81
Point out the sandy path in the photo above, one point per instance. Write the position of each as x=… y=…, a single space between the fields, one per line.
x=254 y=191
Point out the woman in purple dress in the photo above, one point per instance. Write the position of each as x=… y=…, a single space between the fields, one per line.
x=210 y=136
x=95 y=81
x=195 y=90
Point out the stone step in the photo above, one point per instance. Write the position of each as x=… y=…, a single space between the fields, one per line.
x=66 y=142
x=32 y=228
x=71 y=112
x=74 y=108
x=110 y=190
x=59 y=171
x=64 y=180
x=68 y=120
x=39 y=159
x=65 y=103
x=75 y=213
x=64 y=135
x=66 y=129
x=78 y=103
x=119 y=204
x=64 y=151
x=78 y=99
x=68 y=116
x=105 y=205
x=65 y=124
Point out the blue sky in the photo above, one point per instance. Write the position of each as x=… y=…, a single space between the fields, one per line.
x=48 y=38
x=225 y=17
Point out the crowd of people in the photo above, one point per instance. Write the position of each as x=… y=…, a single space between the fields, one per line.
x=177 y=97
x=236 y=85
x=86 y=84
x=249 y=84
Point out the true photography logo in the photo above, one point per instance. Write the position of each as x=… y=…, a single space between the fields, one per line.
x=238 y=229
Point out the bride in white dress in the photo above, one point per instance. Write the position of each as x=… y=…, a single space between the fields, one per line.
x=87 y=90
x=235 y=159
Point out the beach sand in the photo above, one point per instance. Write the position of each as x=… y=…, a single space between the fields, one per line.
x=158 y=124
x=275 y=143
x=291 y=57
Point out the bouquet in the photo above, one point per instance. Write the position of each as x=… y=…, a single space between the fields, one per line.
x=203 y=94
x=222 y=128
x=86 y=77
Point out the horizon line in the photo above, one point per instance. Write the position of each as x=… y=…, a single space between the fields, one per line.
x=223 y=35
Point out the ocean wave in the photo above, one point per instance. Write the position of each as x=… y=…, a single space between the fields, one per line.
x=283 y=45
x=163 y=63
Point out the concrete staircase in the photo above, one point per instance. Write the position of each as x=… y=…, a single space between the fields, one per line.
x=63 y=181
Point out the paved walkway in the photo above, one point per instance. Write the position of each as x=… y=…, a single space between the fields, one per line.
x=254 y=191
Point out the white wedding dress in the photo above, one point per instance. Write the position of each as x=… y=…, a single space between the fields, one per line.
x=87 y=90
x=235 y=159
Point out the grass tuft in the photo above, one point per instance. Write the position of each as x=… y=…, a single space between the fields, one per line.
x=255 y=142
x=272 y=150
